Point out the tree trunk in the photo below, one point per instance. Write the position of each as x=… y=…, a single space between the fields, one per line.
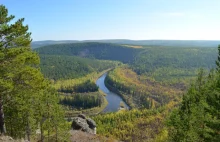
x=56 y=135
x=41 y=131
x=2 y=123
x=28 y=129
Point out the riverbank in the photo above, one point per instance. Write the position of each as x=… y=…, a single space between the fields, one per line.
x=101 y=74
x=124 y=98
x=94 y=110
x=114 y=100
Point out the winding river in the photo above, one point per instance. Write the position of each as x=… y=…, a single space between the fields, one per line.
x=112 y=98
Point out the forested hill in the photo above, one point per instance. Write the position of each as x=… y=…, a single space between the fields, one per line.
x=173 y=43
x=157 y=62
x=164 y=43
x=104 y=51
x=66 y=67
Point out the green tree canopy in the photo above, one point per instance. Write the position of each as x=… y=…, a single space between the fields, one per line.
x=197 y=118
x=26 y=96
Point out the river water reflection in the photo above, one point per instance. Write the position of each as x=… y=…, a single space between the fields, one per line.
x=112 y=98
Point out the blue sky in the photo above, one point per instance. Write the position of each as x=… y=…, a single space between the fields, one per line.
x=119 y=19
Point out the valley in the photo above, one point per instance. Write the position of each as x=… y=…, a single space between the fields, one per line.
x=149 y=80
x=136 y=73
x=116 y=86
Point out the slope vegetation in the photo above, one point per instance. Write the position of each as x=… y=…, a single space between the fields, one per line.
x=104 y=51
x=58 y=67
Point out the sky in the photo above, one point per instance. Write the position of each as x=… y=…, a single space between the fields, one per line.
x=119 y=19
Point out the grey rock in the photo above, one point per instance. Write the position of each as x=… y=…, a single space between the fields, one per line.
x=82 y=116
x=86 y=125
x=91 y=123
x=79 y=123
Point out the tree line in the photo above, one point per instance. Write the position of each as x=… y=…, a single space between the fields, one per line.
x=87 y=86
x=82 y=101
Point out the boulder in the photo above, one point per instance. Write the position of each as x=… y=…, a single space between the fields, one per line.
x=79 y=123
x=86 y=125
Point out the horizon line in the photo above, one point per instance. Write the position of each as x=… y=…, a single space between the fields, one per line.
x=132 y=40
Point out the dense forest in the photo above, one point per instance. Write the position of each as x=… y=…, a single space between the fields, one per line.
x=58 y=67
x=87 y=86
x=167 y=63
x=136 y=124
x=197 y=118
x=139 y=92
x=92 y=50
x=82 y=100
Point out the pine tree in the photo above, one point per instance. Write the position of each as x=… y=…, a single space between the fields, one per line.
x=198 y=117
x=25 y=94
x=11 y=36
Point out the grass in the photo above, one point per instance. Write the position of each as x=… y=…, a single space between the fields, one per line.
x=133 y=46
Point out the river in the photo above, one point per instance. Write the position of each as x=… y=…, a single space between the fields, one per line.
x=112 y=98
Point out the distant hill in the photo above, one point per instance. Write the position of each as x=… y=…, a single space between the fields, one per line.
x=36 y=44
x=92 y=50
x=172 y=43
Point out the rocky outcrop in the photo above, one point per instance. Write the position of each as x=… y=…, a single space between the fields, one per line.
x=84 y=124
x=83 y=116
